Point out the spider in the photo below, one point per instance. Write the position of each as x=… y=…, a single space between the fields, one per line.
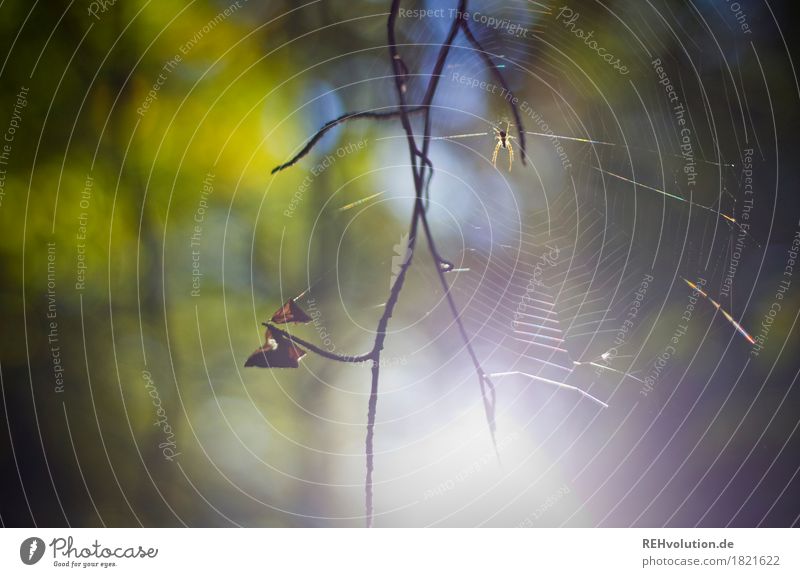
x=503 y=141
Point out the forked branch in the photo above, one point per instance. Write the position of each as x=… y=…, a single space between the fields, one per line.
x=422 y=169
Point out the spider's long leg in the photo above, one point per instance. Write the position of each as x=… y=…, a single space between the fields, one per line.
x=496 y=150
x=730 y=219
x=603 y=143
x=584 y=141
x=510 y=154
x=663 y=193
x=454 y=136
x=573 y=138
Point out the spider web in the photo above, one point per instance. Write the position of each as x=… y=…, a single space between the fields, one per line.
x=554 y=299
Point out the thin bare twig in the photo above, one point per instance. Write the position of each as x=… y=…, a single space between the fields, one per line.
x=368 y=114
x=443 y=265
x=400 y=71
x=483 y=378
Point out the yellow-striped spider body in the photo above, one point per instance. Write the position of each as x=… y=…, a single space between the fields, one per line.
x=503 y=139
